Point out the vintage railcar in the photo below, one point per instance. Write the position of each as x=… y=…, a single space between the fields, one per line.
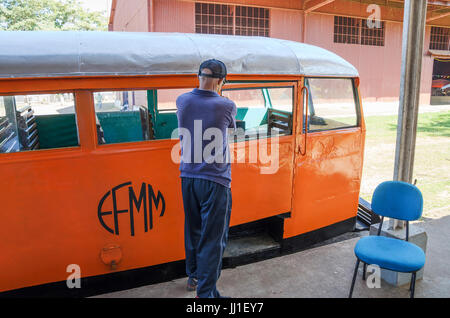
x=87 y=167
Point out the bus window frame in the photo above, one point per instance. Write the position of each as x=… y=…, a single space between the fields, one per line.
x=122 y=89
x=93 y=91
x=70 y=149
x=266 y=84
x=358 y=112
x=84 y=86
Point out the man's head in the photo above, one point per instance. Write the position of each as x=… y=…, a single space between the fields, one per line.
x=212 y=74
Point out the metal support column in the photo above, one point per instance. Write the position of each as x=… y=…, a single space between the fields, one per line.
x=414 y=18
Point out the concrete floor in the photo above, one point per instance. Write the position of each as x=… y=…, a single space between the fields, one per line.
x=324 y=271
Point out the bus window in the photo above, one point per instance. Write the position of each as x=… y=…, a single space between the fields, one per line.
x=126 y=116
x=122 y=116
x=331 y=104
x=166 y=98
x=31 y=122
x=262 y=112
x=162 y=106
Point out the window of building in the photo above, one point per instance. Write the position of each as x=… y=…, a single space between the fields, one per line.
x=213 y=18
x=440 y=38
x=252 y=21
x=346 y=30
x=358 y=31
x=32 y=122
x=231 y=19
x=372 y=35
x=332 y=104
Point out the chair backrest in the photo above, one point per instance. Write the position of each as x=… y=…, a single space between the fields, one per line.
x=398 y=200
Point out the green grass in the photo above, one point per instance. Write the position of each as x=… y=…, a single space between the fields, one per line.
x=432 y=157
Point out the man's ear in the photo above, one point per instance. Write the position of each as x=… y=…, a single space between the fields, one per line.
x=219 y=86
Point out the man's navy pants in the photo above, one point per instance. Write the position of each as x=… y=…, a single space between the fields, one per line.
x=207 y=208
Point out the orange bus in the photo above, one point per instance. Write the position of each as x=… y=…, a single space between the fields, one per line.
x=89 y=184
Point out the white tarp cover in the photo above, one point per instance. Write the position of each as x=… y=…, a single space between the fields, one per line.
x=43 y=54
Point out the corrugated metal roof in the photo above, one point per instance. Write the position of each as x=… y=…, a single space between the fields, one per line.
x=44 y=54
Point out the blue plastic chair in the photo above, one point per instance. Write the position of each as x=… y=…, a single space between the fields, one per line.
x=402 y=201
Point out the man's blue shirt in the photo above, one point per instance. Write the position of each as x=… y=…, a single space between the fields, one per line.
x=199 y=111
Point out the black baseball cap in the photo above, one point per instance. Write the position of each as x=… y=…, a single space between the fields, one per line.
x=218 y=68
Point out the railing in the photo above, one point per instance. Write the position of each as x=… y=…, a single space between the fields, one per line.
x=279 y=119
x=27 y=126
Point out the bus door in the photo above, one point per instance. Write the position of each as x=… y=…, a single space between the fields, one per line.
x=328 y=156
x=261 y=149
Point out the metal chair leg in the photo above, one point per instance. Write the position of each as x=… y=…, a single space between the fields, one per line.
x=354 y=278
x=412 y=286
x=364 y=271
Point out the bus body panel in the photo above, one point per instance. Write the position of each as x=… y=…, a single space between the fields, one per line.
x=65 y=206
x=327 y=181
x=51 y=208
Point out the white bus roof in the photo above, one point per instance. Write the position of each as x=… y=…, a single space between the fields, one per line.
x=25 y=54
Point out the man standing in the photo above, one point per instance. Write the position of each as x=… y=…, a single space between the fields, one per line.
x=205 y=177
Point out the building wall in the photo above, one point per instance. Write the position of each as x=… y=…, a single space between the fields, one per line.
x=427 y=70
x=356 y=9
x=286 y=24
x=285 y=4
x=131 y=18
x=379 y=67
x=174 y=16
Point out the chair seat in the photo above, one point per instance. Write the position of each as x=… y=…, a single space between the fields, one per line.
x=390 y=253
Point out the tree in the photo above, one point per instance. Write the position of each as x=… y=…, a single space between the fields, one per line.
x=31 y=15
